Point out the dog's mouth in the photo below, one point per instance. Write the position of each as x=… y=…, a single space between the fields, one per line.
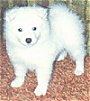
x=29 y=41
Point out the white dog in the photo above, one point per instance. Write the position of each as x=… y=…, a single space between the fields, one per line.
x=37 y=36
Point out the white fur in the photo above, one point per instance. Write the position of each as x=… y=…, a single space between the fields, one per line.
x=59 y=31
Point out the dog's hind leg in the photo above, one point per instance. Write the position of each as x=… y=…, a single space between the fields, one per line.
x=79 y=55
x=62 y=55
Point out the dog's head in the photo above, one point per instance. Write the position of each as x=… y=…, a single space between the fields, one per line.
x=26 y=25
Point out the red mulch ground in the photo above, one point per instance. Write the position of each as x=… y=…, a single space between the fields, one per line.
x=64 y=86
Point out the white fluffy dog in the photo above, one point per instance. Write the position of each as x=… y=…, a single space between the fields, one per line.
x=37 y=36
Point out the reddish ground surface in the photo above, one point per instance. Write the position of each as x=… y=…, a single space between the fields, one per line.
x=64 y=86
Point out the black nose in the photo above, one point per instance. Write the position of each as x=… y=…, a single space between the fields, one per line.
x=28 y=40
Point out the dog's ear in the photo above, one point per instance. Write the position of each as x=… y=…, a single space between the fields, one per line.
x=45 y=14
x=42 y=11
x=11 y=14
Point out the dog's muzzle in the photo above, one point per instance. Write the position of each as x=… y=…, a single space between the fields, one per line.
x=28 y=41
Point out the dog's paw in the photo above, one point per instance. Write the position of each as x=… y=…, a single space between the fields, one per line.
x=40 y=91
x=17 y=82
x=78 y=72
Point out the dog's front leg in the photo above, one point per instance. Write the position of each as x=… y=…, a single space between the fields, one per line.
x=20 y=73
x=43 y=77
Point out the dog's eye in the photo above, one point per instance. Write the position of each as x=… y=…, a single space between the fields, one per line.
x=20 y=30
x=34 y=28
